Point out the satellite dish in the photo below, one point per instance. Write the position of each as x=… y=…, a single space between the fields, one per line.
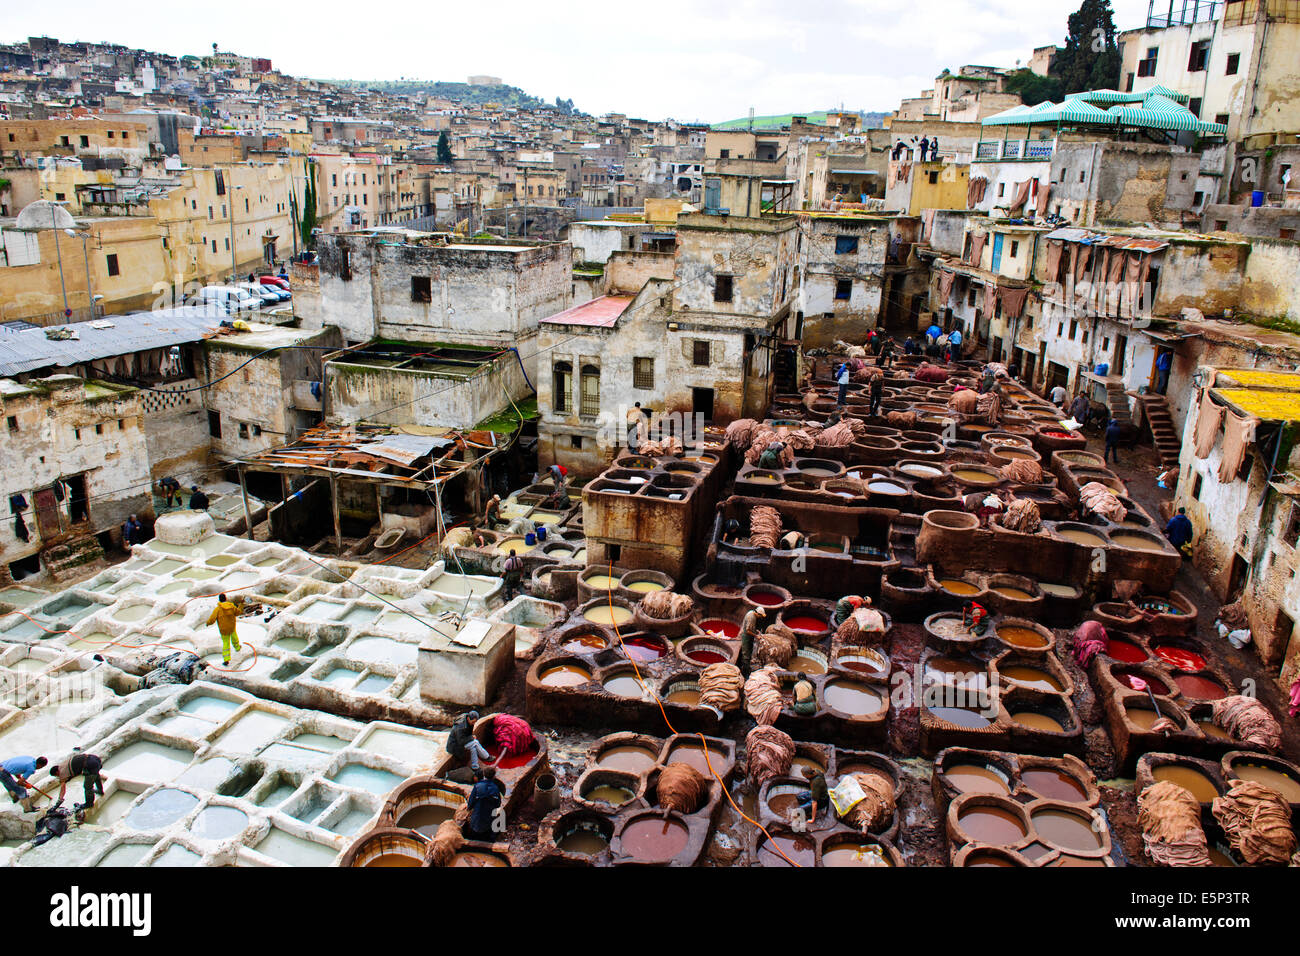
x=44 y=214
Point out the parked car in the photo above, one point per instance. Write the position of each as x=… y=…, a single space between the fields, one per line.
x=229 y=298
x=279 y=281
x=269 y=296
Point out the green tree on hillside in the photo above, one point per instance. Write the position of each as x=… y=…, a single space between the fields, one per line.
x=1032 y=88
x=444 y=149
x=1090 y=60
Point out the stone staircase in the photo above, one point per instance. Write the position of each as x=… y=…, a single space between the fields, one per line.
x=1163 y=432
x=1117 y=400
x=62 y=558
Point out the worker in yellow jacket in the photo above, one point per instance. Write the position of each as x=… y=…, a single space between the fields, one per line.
x=224 y=616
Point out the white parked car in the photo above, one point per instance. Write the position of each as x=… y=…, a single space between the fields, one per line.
x=268 y=297
x=231 y=299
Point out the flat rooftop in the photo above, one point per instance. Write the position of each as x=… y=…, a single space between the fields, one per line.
x=603 y=312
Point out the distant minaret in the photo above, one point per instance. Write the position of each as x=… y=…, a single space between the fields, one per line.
x=751 y=119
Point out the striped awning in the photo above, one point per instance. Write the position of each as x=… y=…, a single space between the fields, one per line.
x=1109 y=96
x=1160 y=112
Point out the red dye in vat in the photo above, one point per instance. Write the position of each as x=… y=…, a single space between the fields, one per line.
x=805 y=624
x=725 y=628
x=511 y=761
x=1134 y=682
x=644 y=648
x=1199 y=688
x=766 y=598
x=1180 y=658
x=707 y=657
x=1125 y=651
x=1055 y=434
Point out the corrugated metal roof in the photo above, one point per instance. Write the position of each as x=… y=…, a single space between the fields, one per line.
x=1089 y=238
x=28 y=349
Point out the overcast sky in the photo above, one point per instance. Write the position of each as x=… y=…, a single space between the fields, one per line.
x=688 y=59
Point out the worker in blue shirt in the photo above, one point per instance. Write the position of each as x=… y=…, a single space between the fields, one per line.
x=1179 y=531
x=1164 y=362
x=484 y=800
x=954 y=343
x=1113 y=434
x=16 y=776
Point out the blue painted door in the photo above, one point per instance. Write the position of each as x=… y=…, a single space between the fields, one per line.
x=997 y=252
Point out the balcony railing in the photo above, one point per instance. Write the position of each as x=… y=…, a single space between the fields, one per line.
x=1012 y=150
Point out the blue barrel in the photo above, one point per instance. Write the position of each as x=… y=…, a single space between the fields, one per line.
x=541 y=533
x=1257 y=198
x=530 y=539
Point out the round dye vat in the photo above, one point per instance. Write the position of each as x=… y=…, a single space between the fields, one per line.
x=855 y=854
x=610 y=616
x=624 y=685
x=387 y=860
x=720 y=628
x=806 y=767
x=1283 y=783
x=865 y=661
x=627 y=757
x=960 y=717
x=1067 y=830
x=1211 y=729
x=797 y=847
x=427 y=817
x=644 y=587
x=564 y=675
x=886 y=488
x=1189 y=778
x=693 y=754
x=963 y=675
x=1037 y=721
x=852 y=698
x=1140 y=683
x=514 y=760
x=600 y=582
x=585 y=643
x=644 y=648
x=783 y=800
x=222 y=560
x=976 y=778
x=1125 y=651
x=1085 y=538
x=512 y=544
x=993 y=825
x=920 y=471
x=1058 y=590
x=654 y=839
x=161 y=808
x=688 y=695
x=1181 y=658
x=1021 y=636
x=1032 y=677
x=1015 y=594
x=807 y=661
x=1200 y=688
x=987 y=859
x=705 y=656
x=974 y=477
x=806 y=624
x=961 y=588
x=1053 y=784
x=135 y=612
x=585 y=840
x=604 y=793
x=1144 y=718
x=765 y=598
x=219 y=823
x=1134 y=542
